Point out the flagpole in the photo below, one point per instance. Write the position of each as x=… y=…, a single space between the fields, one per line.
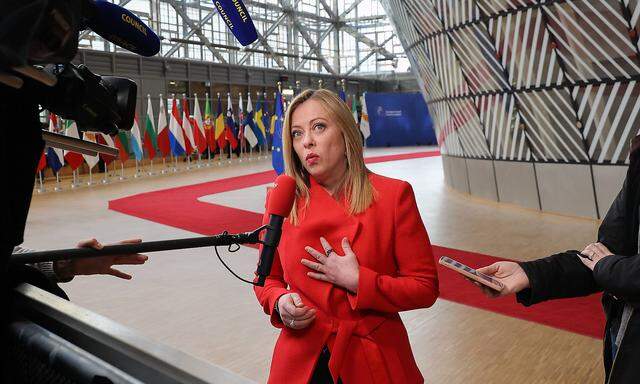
x=137 y=175
x=151 y=173
x=73 y=180
x=57 y=187
x=105 y=178
x=122 y=171
x=90 y=182
x=41 y=190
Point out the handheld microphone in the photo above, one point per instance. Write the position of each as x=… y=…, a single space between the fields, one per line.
x=121 y=27
x=237 y=18
x=278 y=208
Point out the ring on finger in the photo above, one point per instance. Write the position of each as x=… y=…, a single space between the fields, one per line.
x=328 y=252
x=292 y=322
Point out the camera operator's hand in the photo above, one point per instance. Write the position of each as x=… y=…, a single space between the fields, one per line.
x=593 y=253
x=508 y=273
x=102 y=265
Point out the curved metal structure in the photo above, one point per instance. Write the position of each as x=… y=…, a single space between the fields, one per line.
x=534 y=101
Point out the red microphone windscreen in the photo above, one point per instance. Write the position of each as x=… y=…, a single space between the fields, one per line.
x=282 y=196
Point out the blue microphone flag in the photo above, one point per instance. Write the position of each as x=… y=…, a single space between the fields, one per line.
x=237 y=18
x=123 y=28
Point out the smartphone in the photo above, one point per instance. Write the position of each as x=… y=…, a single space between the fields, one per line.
x=471 y=273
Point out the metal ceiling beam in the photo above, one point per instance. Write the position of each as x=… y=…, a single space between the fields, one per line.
x=329 y=11
x=197 y=30
x=320 y=40
x=272 y=28
x=364 y=39
x=274 y=55
x=365 y=58
x=350 y=9
x=315 y=48
x=270 y=7
x=192 y=32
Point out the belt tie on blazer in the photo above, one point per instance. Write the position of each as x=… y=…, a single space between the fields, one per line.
x=344 y=330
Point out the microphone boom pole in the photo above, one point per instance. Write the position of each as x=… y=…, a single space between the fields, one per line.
x=144 y=247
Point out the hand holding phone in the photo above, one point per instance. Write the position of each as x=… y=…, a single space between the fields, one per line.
x=471 y=273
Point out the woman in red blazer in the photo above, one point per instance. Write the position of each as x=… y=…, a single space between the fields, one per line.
x=353 y=253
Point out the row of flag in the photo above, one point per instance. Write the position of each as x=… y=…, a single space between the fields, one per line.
x=185 y=134
x=180 y=133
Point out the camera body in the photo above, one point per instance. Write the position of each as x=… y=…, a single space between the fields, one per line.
x=96 y=103
x=46 y=32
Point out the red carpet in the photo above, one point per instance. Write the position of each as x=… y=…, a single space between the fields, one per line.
x=582 y=315
x=179 y=208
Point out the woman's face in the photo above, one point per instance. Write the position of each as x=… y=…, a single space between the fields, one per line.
x=318 y=142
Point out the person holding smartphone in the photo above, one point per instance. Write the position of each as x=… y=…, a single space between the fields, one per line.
x=611 y=265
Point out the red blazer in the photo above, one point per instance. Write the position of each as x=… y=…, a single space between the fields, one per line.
x=367 y=340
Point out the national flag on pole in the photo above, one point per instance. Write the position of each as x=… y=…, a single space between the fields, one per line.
x=55 y=156
x=186 y=126
x=150 y=137
x=277 y=159
x=229 y=124
x=103 y=139
x=91 y=160
x=208 y=125
x=258 y=118
x=164 y=144
x=122 y=143
x=198 y=128
x=74 y=159
x=53 y=160
x=176 y=136
x=364 y=119
x=42 y=163
x=265 y=116
x=240 y=120
x=251 y=132
x=342 y=95
x=220 y=136
x=274 y=116
x=136 y=140
x=354 y=109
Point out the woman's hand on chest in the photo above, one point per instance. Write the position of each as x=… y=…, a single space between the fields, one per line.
x=342 y=271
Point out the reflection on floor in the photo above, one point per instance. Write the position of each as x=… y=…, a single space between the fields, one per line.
x=186 y=299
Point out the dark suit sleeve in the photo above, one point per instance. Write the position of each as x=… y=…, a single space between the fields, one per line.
x=555 y=277
x=614 y=231
x=619 y=275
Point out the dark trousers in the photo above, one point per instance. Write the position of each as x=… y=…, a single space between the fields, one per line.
x=322 y=375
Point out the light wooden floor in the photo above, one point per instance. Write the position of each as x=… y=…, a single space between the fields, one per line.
x=187 y=300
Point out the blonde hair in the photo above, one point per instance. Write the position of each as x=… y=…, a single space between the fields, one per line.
x=356 y=187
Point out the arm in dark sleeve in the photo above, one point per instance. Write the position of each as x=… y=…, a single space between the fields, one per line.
x=615 y=232
x=555 y=277
x=619 y=275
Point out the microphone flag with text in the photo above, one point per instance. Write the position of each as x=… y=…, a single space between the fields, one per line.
x=121 y=27
x=237 y=18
